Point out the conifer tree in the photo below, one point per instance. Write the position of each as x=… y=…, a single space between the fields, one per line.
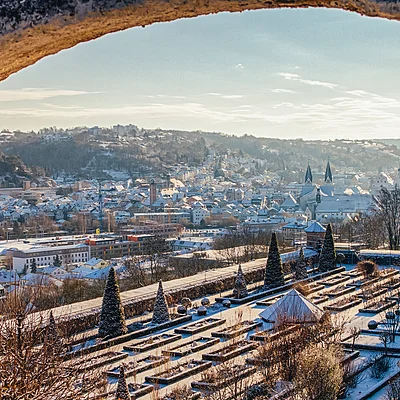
x=240 y=289
x=52 y=338
x=34 y=266
x=57 y=261
x=273 y=271
x=300 y=268
x=327 y=257
x=51 y=330
x=160 y=312
x=112 y=317
x=122 y=392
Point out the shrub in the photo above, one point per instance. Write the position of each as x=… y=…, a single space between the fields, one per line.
x=380 y=366
x=323 y=365
x=302 y=288
x=393 y=391
x=368 y=268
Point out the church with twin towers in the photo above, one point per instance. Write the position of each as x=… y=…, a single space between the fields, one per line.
x=329 y=201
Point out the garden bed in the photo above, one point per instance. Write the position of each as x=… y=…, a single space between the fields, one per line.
x=393 y=283
x=106 y=343
x=384 y=274
x=377 y=306
x=137 y=366
x=266 y=335
x=230 y=351
x=363 y=282
x=372 y=295
x=319 y=298
x=258 y=294
x=335 y=280
x=136 y=390
x=192 y=396
x=153 y=342
x=344 y=304
x=237 y=329
x=190 y=347
x=178 y=372
x=353 y=273
x=200 y=326
x=269 y=302
x=349 y=355
x=216 y=380
x=339 y=291
x=97 y=361
x=136 y=325
x=381 y=384
x=313 y=287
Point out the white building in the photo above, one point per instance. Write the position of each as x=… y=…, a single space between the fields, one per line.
x=44 y=256
x=199 y=213
x=381 y=180
x=339 y=207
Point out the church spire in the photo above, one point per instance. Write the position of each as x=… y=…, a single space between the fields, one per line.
x=328 y=173
x=308 y=177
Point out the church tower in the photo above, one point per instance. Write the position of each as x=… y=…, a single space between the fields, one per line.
x=328 y=174
x=308 y=177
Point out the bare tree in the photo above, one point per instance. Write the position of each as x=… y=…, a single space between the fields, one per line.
x=226 y=381
x=135 y=274
x=322 y=365
x=389 y=210
x=154 y=250
x=393 y=391
x=32 y=363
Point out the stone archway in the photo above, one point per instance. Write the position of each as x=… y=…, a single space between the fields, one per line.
x=34 y=29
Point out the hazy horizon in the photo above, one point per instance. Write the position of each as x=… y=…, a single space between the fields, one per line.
x=314 y=74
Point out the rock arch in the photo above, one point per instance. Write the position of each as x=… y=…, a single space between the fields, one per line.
x=33 y=29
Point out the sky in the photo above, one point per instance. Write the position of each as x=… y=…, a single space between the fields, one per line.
x=289 y=73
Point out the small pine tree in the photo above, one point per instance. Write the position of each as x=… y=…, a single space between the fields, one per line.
x=52 y=338
x=160 y=313
x=300 y=268
x=273 y=271
x=327 y=258
x=34 y=266
x=57 y=261
x=51 y=330
x=240 y=289
x=112 y=317
x=122 y=392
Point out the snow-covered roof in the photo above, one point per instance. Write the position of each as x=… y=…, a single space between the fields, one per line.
x=7 y=276
x=293 y=307
x=93 y=261
x=289 y=202
x=51 y=269
x=81 y=271
x=315 y=227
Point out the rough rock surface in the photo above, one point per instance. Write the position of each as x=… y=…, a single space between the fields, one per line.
x=33 y=29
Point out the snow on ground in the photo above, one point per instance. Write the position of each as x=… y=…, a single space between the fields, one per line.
x=250 y=312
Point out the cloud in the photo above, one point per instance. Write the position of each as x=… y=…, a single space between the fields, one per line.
x=165 y=96
x=155 y=110
x=281 y=91
x=37 y=94
x=225 y=96
x=354 y=112
x=285 y=104
x=298 y=78
x=239 y=66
